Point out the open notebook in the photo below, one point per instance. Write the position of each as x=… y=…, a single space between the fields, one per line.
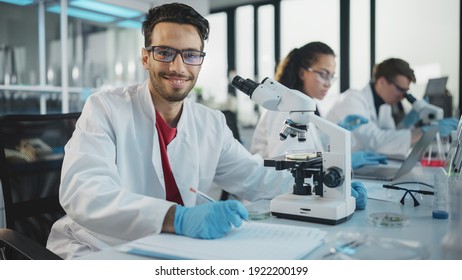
x=251 y=241
x=388 y=173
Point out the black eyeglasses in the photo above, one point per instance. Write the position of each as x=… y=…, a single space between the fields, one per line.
x=410 y=192
x=167 y=54
x=403 y=91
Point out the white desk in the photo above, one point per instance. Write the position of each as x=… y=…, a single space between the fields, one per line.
x=422 y=227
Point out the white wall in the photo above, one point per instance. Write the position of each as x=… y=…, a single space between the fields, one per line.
x=426 y=34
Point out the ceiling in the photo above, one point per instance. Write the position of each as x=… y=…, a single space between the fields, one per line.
x=203 y=6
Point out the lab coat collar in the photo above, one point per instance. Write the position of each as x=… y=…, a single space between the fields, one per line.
x=181 y=142
x=185 y=141
x=146 y=101
x=378 y=101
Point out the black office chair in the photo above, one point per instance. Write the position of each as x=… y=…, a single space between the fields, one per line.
x=31 y=157
x=231 y=121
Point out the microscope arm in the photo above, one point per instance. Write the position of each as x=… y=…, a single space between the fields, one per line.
x=275 y=97
x=338 y=154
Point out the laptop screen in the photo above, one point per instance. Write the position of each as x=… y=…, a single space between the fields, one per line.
x=436 y=86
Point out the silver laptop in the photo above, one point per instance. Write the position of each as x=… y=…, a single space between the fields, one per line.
x=388 y=173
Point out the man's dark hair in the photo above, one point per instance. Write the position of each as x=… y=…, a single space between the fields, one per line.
x=393 y=67
x=176 y=13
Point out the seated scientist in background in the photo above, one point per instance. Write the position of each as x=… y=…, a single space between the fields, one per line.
x=390 y=84
x=310 y=70
x=136 y=151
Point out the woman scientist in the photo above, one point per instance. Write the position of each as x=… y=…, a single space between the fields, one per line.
x=310 y=70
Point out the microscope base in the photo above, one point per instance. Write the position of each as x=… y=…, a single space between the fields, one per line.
x=312 y=208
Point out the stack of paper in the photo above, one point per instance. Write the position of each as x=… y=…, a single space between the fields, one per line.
x=252 y=241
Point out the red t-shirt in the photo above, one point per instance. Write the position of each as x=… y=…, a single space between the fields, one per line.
x=166 y=135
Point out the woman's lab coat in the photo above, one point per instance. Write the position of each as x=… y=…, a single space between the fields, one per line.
x=380 y=133
x=112 y=185
x=267 y=143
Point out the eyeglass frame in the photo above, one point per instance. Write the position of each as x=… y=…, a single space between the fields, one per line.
x=416 y=202
x=325 y=76
x=401 y=90
x=177 y=51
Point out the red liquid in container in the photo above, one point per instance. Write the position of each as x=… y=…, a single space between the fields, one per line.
x=432 y=162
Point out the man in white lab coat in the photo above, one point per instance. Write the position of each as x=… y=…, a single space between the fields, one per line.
x=136 y=152
x=390 y=84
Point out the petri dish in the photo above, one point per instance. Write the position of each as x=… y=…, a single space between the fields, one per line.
x=259 y=210
x=388 y=220
x=300 y=154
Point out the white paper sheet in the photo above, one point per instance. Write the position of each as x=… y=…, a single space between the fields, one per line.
x=255 y=241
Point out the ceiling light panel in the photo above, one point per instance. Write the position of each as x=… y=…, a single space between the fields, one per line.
x=18 y=2
x=105 y=8
x=83 y=14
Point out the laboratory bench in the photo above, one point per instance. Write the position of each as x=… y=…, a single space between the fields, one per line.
x=417 y=236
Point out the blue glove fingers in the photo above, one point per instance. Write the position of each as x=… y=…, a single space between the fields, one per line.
x=362 y=158
x=199 y=222
x=358 y=191
x=209 y=221
x=235 y=212
x=374 y=156
x=351 y=122
x=410 y=119
x=447 y=125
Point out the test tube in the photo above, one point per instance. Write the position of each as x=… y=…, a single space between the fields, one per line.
x=440 y=199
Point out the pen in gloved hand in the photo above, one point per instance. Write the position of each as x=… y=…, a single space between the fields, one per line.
x=206 y=197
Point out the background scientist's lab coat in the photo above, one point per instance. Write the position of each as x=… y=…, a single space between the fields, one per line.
x=267 y=143
x=379 y=134
x=112 y=185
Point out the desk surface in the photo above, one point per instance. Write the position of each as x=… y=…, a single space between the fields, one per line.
x=422 y=227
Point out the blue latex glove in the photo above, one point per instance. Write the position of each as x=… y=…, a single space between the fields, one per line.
x=358 y=191
x=446 y=126
x=361 y=158
x=351 y=122
x=410 y=119
x=209 y=221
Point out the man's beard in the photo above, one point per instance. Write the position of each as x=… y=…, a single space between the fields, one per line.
x=169 y=94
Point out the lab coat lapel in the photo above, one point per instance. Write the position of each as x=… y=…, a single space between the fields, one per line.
x=385 y=120
x=183 y=154
x=156 y=158
x=383 y=116
x=367 y=91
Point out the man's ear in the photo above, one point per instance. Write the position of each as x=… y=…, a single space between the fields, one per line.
x=145 y=58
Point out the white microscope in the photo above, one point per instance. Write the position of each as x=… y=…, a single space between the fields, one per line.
x=427 y=112
x=330 y=171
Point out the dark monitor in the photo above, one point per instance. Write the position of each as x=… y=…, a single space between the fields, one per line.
x=437 y=95
x=436 y=86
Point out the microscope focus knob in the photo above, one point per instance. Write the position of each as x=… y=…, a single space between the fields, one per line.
x=333 y=177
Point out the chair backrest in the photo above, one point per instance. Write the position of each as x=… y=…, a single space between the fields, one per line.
x=31 y=156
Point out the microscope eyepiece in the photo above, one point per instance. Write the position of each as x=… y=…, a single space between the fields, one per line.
x=247 y=86
x=410 y=98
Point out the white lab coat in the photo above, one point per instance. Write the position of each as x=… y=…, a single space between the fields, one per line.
x=380 y=133
x=267 y=143
x=112 y=185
